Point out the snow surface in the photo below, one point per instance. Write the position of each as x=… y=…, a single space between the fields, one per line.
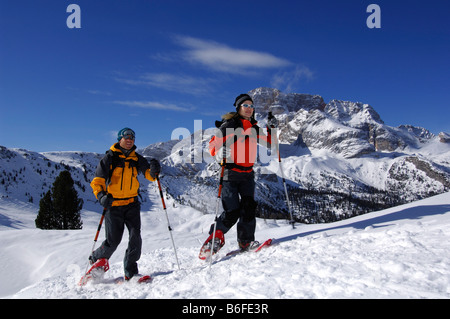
x=401 y=252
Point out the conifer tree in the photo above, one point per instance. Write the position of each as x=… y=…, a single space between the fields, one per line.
x=66 y=203
x=60 y=208
x=46 y=215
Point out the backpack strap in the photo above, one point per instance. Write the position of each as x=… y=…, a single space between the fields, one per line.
x=115 y=161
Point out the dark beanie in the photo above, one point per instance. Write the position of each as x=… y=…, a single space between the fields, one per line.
x=124 y=132
x=240 y=99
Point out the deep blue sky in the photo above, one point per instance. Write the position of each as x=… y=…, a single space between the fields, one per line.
x=158 y=65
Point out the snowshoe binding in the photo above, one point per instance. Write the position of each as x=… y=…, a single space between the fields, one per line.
x=252 y=246
x=96 y=272
x=249 y=246
x=219 y=241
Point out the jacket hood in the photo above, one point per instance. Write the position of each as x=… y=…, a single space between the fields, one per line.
x=232 y=115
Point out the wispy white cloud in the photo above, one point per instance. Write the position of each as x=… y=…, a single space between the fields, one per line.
x=154 y=105
x=112 y=135
x=172 y=82
x=221 y=57
x=288 y=80
x=217 y=57
x=98 y=92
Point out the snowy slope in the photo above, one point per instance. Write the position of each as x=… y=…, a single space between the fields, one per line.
x=401 y=252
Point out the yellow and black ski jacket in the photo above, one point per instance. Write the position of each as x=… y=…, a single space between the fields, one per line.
x=117 y=173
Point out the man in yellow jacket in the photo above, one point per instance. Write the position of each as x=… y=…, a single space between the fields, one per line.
x=116 y=187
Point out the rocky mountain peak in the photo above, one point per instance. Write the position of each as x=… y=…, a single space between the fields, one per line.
x=268 y=99
x=444 y=137
x=351 y=129
x=354 y=114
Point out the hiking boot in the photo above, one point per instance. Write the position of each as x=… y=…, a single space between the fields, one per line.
x=249 y=246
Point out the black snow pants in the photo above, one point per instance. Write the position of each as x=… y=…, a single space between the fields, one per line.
x=116 y=218
x=238 y=204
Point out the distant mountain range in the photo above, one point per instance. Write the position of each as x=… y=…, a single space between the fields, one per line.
x=340 y=159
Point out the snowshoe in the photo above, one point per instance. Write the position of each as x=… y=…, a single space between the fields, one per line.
x=96 y=272
x=140 y=279
x=253 y=246
x=249 y=246
x=143 y=279
x=219 y=241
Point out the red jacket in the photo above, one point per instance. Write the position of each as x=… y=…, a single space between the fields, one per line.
x=242 y=137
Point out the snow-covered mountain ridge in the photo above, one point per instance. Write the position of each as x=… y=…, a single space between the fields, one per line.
x=338 y=157
x=329 y=151
x=351 y=129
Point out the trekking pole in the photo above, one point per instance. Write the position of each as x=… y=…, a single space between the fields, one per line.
x=217 y=207
x=277 y=146
x=167 y=218
x=96 y=235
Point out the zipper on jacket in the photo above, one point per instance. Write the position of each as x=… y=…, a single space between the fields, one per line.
x=131 y=182
x=121 y=180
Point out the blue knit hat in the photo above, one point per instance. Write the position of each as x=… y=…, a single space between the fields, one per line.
x=125 y=132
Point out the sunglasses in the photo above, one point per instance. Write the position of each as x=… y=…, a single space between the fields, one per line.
x=248 y=105
x=128 y=135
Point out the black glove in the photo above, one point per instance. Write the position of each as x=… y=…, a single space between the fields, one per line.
x=271 y=120
x=155 y=168
x=104 y=199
